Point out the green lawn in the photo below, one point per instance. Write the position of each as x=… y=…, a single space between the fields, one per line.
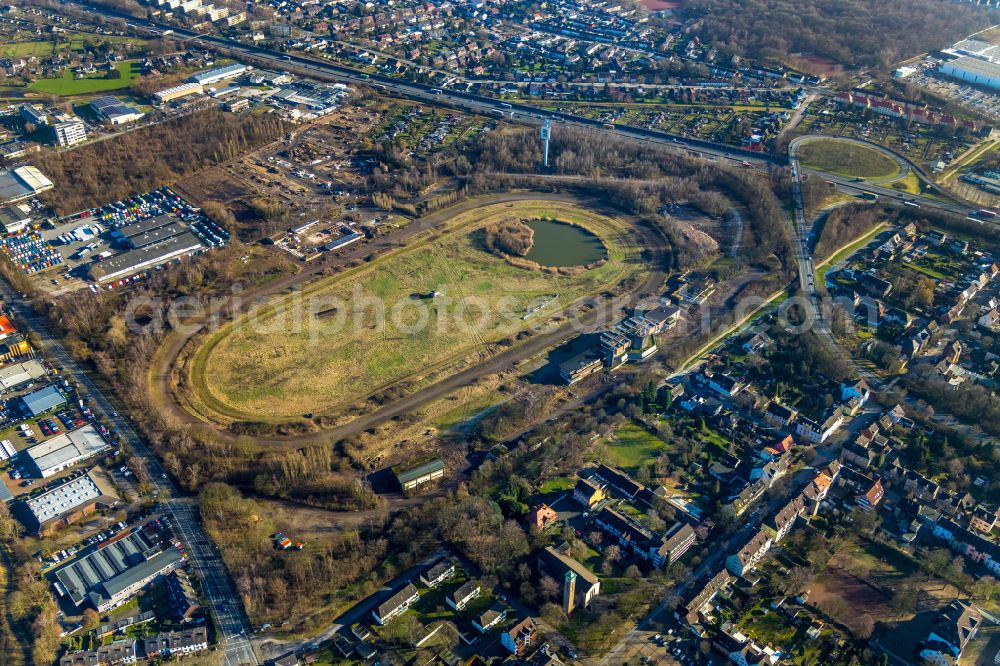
x=632 y=447
x=26 y=49
x=67 y=85
x=846 y=159
x=556 y=484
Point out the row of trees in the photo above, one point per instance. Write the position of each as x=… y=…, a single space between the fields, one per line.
x=849 y=32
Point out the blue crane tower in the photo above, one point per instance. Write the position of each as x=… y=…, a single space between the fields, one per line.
x=546 y=134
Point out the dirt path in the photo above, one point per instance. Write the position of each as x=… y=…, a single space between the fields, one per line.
x=168 y=402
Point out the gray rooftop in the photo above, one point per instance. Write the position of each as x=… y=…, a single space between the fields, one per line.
x=42 y=400
x=76 y=445
x=84 y=574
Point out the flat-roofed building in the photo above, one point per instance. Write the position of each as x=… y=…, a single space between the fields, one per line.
x=142 y=258
x=70 y=133
x=40 y=401
x=114 y=111
x=67 y=503
x=14 y=218
x=211 y=76
x=973 y=70
x=17 y=374
x=67 y=449
x=178 y=92
x=22 y=183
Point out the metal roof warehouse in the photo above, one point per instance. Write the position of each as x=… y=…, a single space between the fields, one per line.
x=136 y=260
x=42 y=400
x=104 y=575
x=69 y=497
x=21 y=183
x=66 y=450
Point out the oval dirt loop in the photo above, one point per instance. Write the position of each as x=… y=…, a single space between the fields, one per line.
x=168 y=381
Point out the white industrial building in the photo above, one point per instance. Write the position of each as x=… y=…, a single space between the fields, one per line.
x=71 y=133
x=973 y=70
x=66 y=450
x=211 y=76
x=176 y=92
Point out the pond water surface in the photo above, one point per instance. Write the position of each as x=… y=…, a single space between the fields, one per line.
x=558 y=244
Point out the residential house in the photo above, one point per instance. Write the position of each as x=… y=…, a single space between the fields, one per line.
x=489 y=618
x=119 y=652
x=588 y=493
x=771 y=470
x=176 y=643
x=396 y=605
x=438 y=573
x=757 y=343
x=779 y=415
x=957 y=624
x=676 y=541
x=460 y=597
x=617 y=481
x=750 y=554
x=542 y=516
x=693 y=607
x=724 y=384
x=519 y=638
x=858 y=389
x=747 y=496
x=982 y=519
x=817 y=433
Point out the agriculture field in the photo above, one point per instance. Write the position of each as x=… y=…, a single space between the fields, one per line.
x=361 y=331
x=846 y=159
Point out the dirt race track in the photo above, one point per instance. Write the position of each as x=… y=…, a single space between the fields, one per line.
x=168 y=381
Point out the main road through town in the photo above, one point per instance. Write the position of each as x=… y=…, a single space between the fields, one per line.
x=225 y=605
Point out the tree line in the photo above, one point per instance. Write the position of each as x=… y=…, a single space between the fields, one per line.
x=850 y=32
x=152 y=156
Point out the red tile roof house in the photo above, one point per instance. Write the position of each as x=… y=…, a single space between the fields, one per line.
x=542 y=516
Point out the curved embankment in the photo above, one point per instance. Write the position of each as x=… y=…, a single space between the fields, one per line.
x=307 y=352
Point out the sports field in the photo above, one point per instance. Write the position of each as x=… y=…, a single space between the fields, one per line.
x=846 y=159
x=353 y=334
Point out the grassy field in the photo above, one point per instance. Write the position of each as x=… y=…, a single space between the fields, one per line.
x=846 y=159
x=353 y=334
x=632 y=447
x=67 y=85
x=73 y=41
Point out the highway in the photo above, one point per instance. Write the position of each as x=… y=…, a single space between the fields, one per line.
x=324 y=69
x=224 y=603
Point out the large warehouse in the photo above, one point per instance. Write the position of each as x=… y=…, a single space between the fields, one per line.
x=22 y=183
x=110 y=575
x=144 y=257
x=973 y=70
x=65 y=504
x=64 y=451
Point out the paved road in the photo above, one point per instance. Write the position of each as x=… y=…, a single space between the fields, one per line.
x=223 y=601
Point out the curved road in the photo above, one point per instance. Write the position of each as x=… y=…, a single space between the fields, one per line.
x=164 y=397
x=901 y=162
